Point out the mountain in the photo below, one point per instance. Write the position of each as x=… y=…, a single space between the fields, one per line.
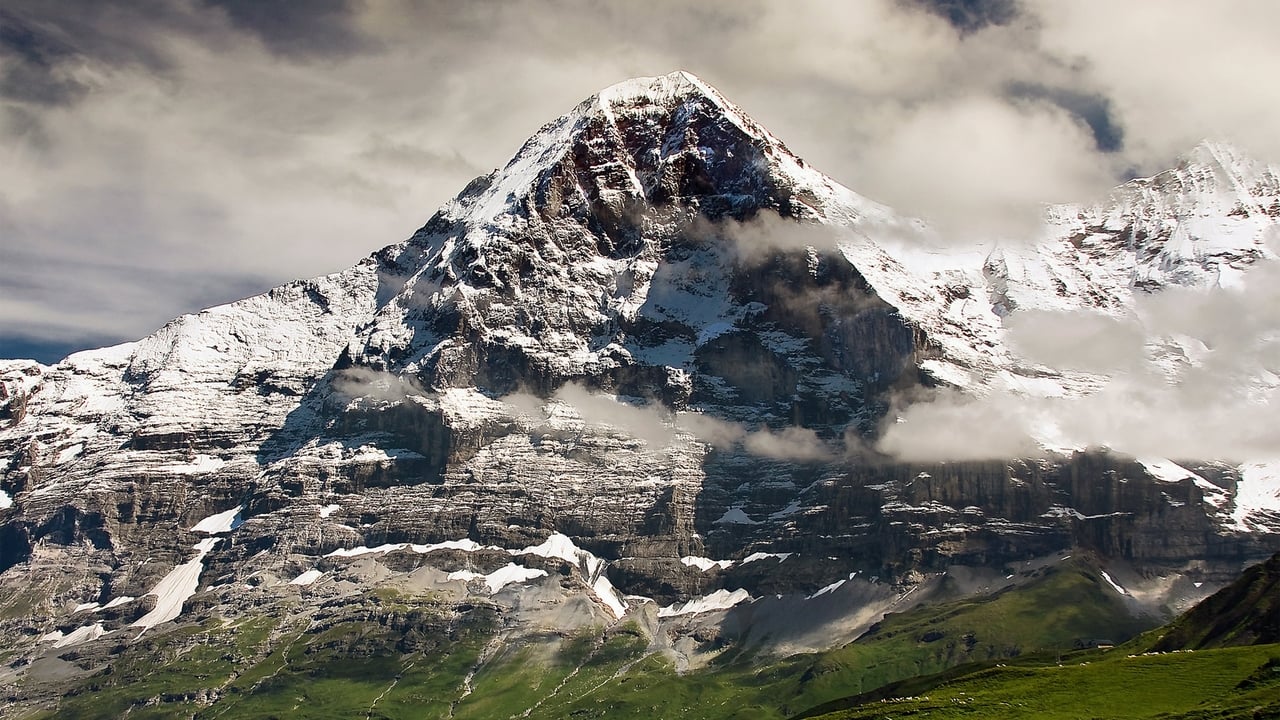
x=627 y=392
x=1246 y=612
x=1220 y=659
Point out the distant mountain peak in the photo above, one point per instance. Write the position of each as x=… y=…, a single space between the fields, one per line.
x=1217 y=168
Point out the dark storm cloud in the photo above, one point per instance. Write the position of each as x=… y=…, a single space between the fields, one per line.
x=968 y=16
x=297 y=29
x=1093 y=109
x=54 y=54
x=32 y=59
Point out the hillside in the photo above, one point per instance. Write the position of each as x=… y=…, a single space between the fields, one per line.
x=1218 y=660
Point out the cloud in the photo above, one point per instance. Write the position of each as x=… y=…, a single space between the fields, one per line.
x=1194 y=70
x=768 y=233
x=646 y=422
x=793 y=443
x=968 y=16
x=951 y=426
x=314 y=28
x=525 y=403
x=1208 y=387
x=658 y=426
x=980 y=167
x=32 y=60
x=357 y=383
x=1092 y=108
x=1077 y=340
x=264 y=141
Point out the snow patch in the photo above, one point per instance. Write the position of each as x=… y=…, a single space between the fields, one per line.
x=830 y=588
x=711 y=332
x=307 y=577
x=371 y=453
x=1165 y=470
x=117 y=602
x=608 y=594
x=562 y=546
x=555 y=546
x=222 y=522
x=69 y=454
x=363 y=550
x=465 y=575
x=79 y=635
x=201 y=464
x=501 y=577
x=174 y=589
x=753 y=557
x=736 y=516
x=705 y=564
x=791 y=509
x=1257 y=493
x=328 y=510
x=6 y=500
x=84 y=606
x=465 y=545
x=1113 y=583
x=718 y=600
x=510 y=574
x=1170 y=472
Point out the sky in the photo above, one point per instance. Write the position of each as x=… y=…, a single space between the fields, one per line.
x=161 y=156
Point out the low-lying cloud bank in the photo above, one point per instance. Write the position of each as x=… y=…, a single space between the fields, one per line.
x=1190 y=373
x=659 y=427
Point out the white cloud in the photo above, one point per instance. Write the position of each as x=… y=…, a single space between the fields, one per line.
x=1177 y=71
x=646 y=422
x=1218 y=401
x=978 y=167
x=657 y=425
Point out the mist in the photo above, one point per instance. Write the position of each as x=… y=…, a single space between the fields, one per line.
x=1191 y=373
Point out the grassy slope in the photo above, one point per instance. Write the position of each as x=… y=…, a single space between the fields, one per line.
x=1187 y=669
x=1227 y=683
x=1068 y=602
x=363 y=668
x=1245 y=612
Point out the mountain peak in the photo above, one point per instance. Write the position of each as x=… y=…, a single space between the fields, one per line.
x=672 y=89
x=654 y=140
x=680 y=83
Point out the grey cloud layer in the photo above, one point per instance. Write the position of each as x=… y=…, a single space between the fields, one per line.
x=658 y=426
x=1219 y=401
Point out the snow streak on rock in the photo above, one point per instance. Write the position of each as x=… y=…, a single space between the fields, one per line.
x=174 y=589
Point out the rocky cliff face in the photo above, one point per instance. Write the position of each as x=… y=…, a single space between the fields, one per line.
x=657 y=346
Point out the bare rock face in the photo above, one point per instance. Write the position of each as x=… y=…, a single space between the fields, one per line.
x=657 y=334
